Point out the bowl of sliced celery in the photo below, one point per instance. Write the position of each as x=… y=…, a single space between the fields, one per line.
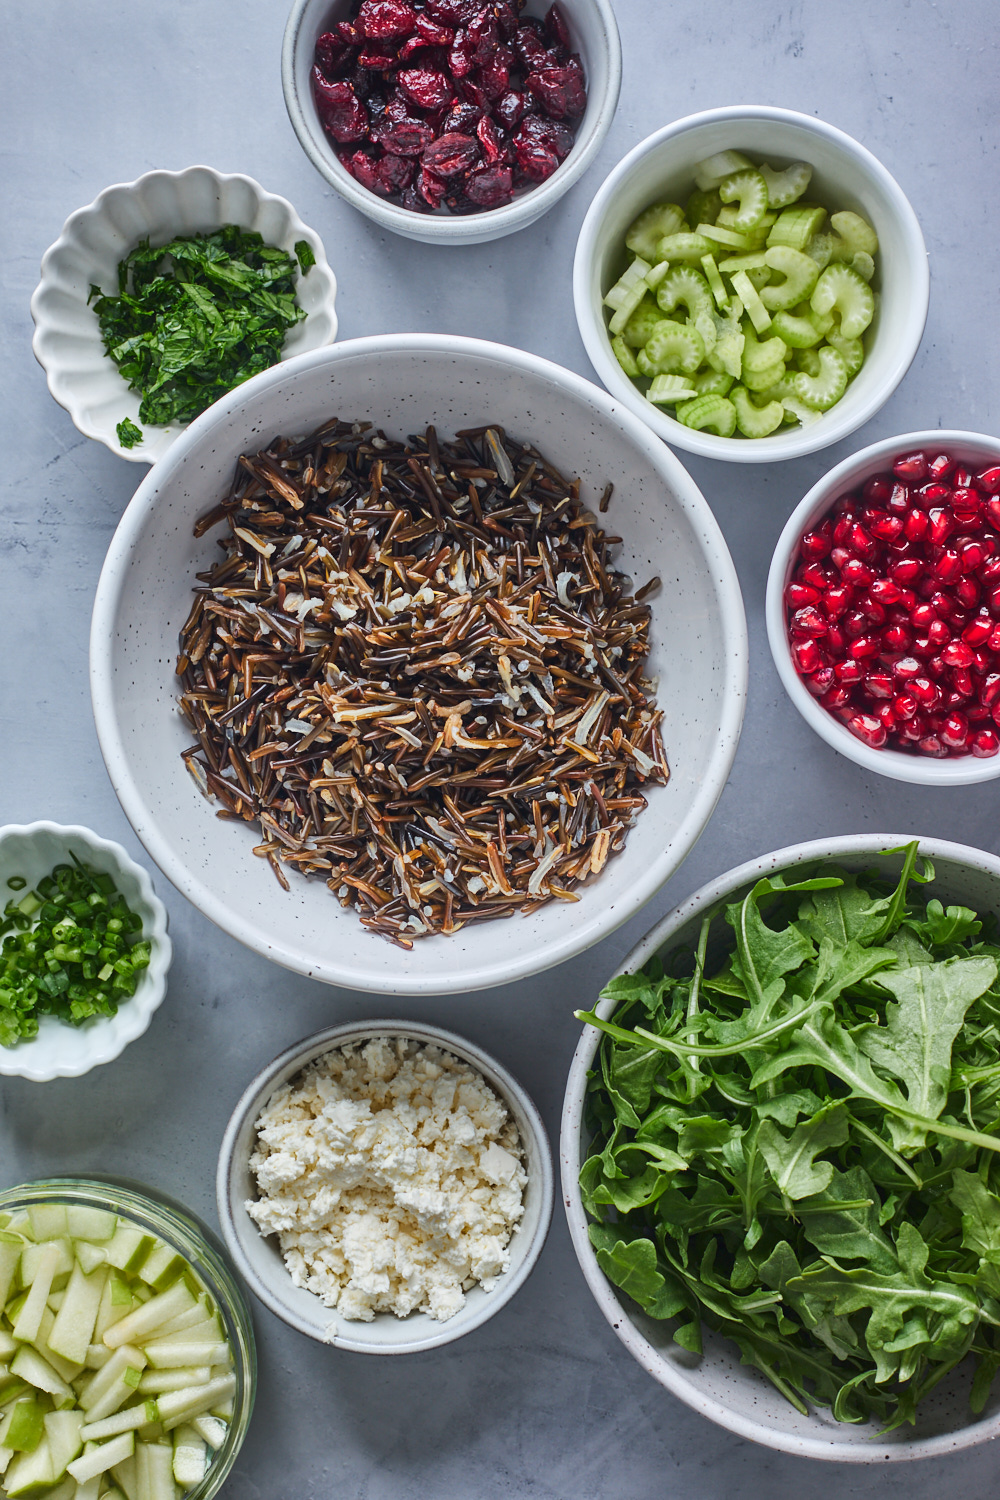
x=752 y=283
x=127 y=1358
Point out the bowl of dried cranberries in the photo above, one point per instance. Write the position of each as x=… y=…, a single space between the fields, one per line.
x=883 y=608
x=451 y=121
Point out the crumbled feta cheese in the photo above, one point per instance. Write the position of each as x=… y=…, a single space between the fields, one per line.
x=393 y=1177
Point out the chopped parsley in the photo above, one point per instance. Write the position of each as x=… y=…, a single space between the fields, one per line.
x=196 y=317
x=128 y=433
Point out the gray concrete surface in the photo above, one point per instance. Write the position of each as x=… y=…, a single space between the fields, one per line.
x=543 y=1401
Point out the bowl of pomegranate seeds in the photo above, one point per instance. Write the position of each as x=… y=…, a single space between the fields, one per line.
x=451 y=121
x=883 y=608
x=701 y=209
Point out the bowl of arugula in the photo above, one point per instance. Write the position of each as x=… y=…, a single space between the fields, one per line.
x=165 y=293
x=780 y=1156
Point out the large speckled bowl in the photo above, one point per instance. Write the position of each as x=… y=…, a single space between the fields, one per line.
x=403 y=382
x=717 y=1384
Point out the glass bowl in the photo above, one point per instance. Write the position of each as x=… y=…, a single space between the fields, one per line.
x=158 y=1214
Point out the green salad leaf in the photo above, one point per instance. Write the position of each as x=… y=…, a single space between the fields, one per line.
x=197 y=316
x=794 y=1139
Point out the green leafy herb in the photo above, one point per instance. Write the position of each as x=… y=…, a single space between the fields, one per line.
x=196 y=317
x=128 y=433
x=72 y=948
x=305 y=255
x=796 y=1140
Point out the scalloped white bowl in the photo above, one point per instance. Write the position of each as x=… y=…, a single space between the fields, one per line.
x=61 y=1051
x=717 y=1385
x=160 y=205
x=845 y=175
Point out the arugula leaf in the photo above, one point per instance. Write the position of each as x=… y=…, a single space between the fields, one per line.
x=842 y=1221
x=791 y=1160
x=632 y=1267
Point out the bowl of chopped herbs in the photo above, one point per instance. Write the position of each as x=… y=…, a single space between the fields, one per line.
x=780 y=1149
x=84 y=950
x=165 y=293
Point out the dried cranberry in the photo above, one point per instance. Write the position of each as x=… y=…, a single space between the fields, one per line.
x=333 y=56
x=433 y=34
x=378 y=59
x=427 y=88
x=556 y=28
x=462 y=117
x=560 y=91
x=461 y=59
x=399 y=133
x=469 y=90
x=341 y=112
x=494 y=146
x=529 y=43
x=506 y=20
x=490 y=186
x=348 y=33
x=494 y=76
x=451 y=155
x=365 y=169
x=541 y=136
x=432 y=189
x=510 y=109
x=450 y=12
x=379 y=19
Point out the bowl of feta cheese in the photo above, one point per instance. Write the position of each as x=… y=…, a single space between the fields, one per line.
x=385 y=1186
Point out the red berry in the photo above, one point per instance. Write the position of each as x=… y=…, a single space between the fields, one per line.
x=341 y=112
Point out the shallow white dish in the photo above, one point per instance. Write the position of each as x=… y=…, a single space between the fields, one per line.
x=402 y=382
x=718 y=1385
x=845 y=176
x=973 y=448
x=59 y=1050
x=158 y=205
x=259 y=1260
x=595 y=35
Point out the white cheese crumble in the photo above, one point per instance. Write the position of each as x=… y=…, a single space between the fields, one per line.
x=393 y=1176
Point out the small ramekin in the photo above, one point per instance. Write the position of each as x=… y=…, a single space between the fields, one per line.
x=157 y=206
x=973 y=448
x=259 y=1260
x=595 y=35
x=59 y=1050
x=846 y=176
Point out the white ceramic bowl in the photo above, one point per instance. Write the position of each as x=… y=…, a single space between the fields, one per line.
x=845 y=176
x=158 y=205
x=718 y=1385
x=258 y=1258
x=402 y=382
x=973 y=448
x=595 y=35
x=61 y=1051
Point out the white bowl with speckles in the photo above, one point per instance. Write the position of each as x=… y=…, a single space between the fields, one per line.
x=258 y=1257
x=158 y=206
x=403 y=382
x=31 y=851
x=717 y=1385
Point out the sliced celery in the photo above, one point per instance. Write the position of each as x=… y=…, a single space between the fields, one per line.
x=749 y=189
x=650 y=227
x=795 y=227
x=821 y=391
x=715 y=281
x=683 y=284
x=841 y=289
x=800 y=274
x=755 y=421
x=674 y=349
x=855 y=231
x=748 y=295
x=670 y=388
x=642 y=323
x=714 y=413
x=787 y=186
x=683 y=246
x=623 y=354
x=710 y=172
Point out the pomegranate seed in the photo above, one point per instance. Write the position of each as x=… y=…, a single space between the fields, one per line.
x=942 y=524
x=885 y=528
x=835 y=640
x=968 y=592
x=907 y=599
x=940 y=467
x=923 y=647
x=993 y=509
x=978 y=632
x=915 y=729
x=927 y=693
x=798 y=594
x=864 y=646
x=885 y=591
x=930 y=495
x=839 y=556
x=808 y=621
x=962 y=478
x=848 y=671
x=898 y=502
x=995 y=712
x=967 y=499
x=868 y=729
x=989 y=480
x=956 y=654
x=837 y=599
x=976 y=713
x=989 y=689
x=906 y=668
x=906 y=571
x=984 y=744
x=994 y=641
x=885 y=716
x=981 y=662
x=938 y=633
x=815 y=576
x=948 y=566
x=843 y=527
x=962 y=681
x=808 y=657
x=820 y=682
x=904 y=705
x=873 y=612
x=855 y=623
x=814 y=545
x=973 y=555
x=922 y=616
x=861 y=544
x=917 y=525
x=877 y=490
x=931 y=745
x=934 y=667
x=837 y=697
x=856 y=571
x=955 y=731
x=880 y=684
x=911 y=467
x=990 y=571
x=896 y=638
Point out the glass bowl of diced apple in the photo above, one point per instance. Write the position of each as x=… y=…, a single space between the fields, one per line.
x=127 y=1359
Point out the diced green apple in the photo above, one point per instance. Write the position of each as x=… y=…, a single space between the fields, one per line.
x=93 y=1224
x=152 y=1315
x=48 y=1220
x=111 y=1387
x=11 y=1246
x=30 y=1365
x=98 y=1458
x=62 y=1429
x=74 y=1325
x=30 y=1473
x=30 y=1316
x=155 y=1382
